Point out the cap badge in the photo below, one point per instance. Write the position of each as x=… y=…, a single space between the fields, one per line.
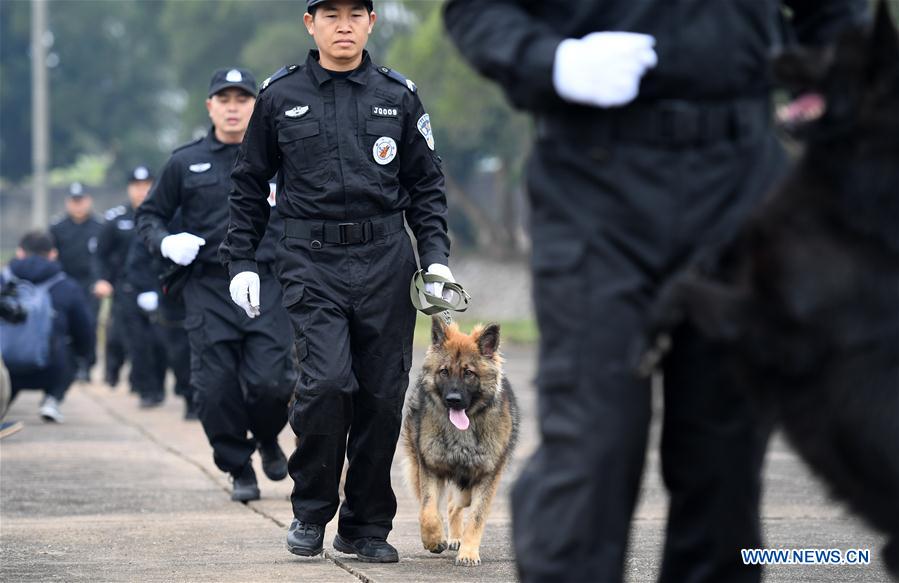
x=234 y=76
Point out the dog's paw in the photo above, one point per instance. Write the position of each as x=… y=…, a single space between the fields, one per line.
x=468 y=558
x=453 y=544
x=435 y=547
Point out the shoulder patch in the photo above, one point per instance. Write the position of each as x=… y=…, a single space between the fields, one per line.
x=188 y=144
x=114 y=212
x=279 y=74
x=398 y=77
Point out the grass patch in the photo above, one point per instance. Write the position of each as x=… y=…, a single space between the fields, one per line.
x=511 y=331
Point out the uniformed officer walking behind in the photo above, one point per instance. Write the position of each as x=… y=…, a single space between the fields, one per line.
x=241 y=368
x=75 y=236
x=355 y=152
x=112 y=249
x=653 y=142
x=161 y=312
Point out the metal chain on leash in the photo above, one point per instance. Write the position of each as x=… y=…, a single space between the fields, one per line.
x=431 y=305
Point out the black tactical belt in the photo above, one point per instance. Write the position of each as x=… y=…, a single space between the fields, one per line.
x=663 y=123
x=343 y=233
x=209 y=269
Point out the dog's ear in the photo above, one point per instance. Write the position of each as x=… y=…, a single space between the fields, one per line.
x=488 y=341
x=438 y=331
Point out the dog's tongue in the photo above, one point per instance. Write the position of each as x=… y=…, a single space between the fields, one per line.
x=805 y=108
x=459 y=418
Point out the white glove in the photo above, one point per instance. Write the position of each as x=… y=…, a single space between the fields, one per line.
x=181 y=248
x=603 y=69
x=435 y=288
x=148 y=301
x=245 y=292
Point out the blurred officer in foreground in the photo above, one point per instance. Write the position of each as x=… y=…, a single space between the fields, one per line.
x=112 y=248
x=241 y=367
x=653 y=141
x=39 y=350
x=76 y=236
x=355 y=154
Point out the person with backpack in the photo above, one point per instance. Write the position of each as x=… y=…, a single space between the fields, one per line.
x=40 y=352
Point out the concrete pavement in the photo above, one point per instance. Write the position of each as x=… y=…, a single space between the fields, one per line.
x=122 y=494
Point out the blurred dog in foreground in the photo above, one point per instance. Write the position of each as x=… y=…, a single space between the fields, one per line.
x=806 y=297
x=459 y=429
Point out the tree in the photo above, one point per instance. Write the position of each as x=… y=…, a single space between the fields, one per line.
x=106 y=75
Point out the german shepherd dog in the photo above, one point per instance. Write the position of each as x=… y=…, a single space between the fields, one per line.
x=460 y=427
x=806 y=297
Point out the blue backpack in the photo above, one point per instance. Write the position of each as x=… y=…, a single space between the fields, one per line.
x=26 y=347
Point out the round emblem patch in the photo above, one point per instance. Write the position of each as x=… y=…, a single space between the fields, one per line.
x=384 y=150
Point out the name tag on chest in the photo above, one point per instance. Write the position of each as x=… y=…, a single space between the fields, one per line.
x=385 y=111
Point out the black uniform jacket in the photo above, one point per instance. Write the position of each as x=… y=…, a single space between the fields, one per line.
x=77 y=244
x=346 y=150
x=707 y=49
x=197 y=180
x=115 y=239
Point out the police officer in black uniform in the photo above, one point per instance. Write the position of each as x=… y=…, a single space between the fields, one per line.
x=241 y=367
x=355 y=152
x=112 y=249
x=144 y=272
x=75 y=236
x=138 y=291
x=653 y=141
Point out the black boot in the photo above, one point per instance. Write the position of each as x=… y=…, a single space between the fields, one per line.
x=191 y=412
x=245 y=487
x=367 y=549
x=274 y=462
x=305 y=539
x=150 y=402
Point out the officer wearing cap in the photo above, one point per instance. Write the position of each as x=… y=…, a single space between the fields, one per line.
x=355 y=151
x=112 y=247
x=76 y=235
x=241 y=367
x=653 y=142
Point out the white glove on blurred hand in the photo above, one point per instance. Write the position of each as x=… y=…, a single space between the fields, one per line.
x=603 y=69
x=436 y=288
x=245 y=292
x=181 y=248
x=148 y=301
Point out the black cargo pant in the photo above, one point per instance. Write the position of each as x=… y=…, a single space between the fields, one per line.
x=240 y=368
x=350 y=309
x=170 y=318
x=145 y=345
x=117 y=334
x=612 y=220
x=93 y=309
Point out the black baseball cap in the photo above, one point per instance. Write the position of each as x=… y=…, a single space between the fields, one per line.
x=140 y=173
x=313 y=3
x=233 y=77
x=76 y=190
